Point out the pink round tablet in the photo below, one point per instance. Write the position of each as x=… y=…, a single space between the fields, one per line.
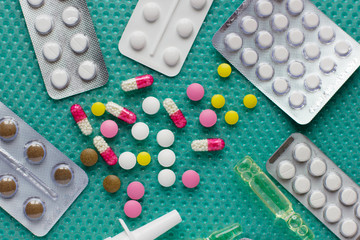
x=132 y=209
x=190 y=179
x=135 y=190
x=195 y=92
x=208 y=118
x=109 y=128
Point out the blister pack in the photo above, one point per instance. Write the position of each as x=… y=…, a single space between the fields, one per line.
x=313 y=179
x=160 y=33
x=290 y=51
x=66 y=46
x=38 y=183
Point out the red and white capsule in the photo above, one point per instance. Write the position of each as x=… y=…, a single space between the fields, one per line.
x=175 y=113
x=120 y=112
x=81 y=119
x=207 y=145
x=105 y=151
x=137 y=83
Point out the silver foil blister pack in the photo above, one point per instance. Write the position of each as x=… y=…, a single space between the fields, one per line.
x=290 y=51
x=324 y=189
x=38 y=183
x=66 y=46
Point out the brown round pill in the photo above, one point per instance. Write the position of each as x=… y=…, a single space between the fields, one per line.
x=62 y=174
x=35 y=152
x=111 y=183
x=34 y=208
x=8 y=186
x=8 y=129
x=89 y=157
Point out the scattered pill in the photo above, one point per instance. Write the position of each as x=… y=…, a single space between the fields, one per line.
x=62 y=174
x=207 y=118
x=184 y=27
x=207 y=145
x=8 y=129
x=112 y=183
x=87 y=70
x=310 y=20
x=140 y=131
x=175 y=113
x=326 y=34
x=264 y=40
x=317 y=167
x=286 y=170
x=151 y=12
x=250 y=101
x=343 y=48
x=137 y=83
x=165 y=138
x=312 y=83
x=332 y=182
x=166 y=178
x=217 y=101
x=8 y=186
x=59 y=79
x=143 y=158
x=317 y=199
x=301 y=185
x=109 y=129
x=79 y=43
x=81 y=119
x=98 y=109
x=105 y=151
x=34 y=208
x=44 y=24
x=89 y=157
x=302 y=152
x=348 y=196
x=35 y=152
x=224 y=70
x=127 y=160
x=195 y=92
x=71 y=16
x=348 y=228
x=132 y=209
x=135 y=190
x=279 y=22
x=151 y=105
x=280 y=86
x=311 y=51
x=231 y=117
x=190 y=179
x=332 y=213
x=233 y=42
x=120 y=112
x=51 y=51
x=249 y=57
x=166 y=158
x=248 y=25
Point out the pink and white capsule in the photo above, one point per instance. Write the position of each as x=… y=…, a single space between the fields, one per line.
x=175 y=113
x=207 y=145
x=105 y=151
x=81 y=119
x=120 y=112
x=137 y=83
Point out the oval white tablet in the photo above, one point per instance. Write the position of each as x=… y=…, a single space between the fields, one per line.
x=51 y=51
x=151 y=12
x=296 y=69
x=312 y=83
x=59 y=79
x=317 y=199
x=302 y=152
x=317 y=167
x=35 y=3
x=44 y=24
x=264 y=8
x=166 y=178
x=127 y=160
x=264 y=40
x=165 y=138
x=280 y=54
x=327 y=65
x=151 y=105
x=248 y=25
x=233 y=41
x=295 y=7
x=301 y=185
x=348 y=196
x=137 y=40
x=310 y=20
x=280 y=86
x=311 y=51
x=184 y=27
x=198 y=4
x=297 y=100
x=265 y=72
x=140 y=131
x=326 y=34
x=286 y=170
x=166 y=158
x=249 y=57
x=79 y=43
x=171 y=56
x=332 y=182
x=295 y=37
x=71 y=16
x=348 y=228
x=279 y=22
x=343 y=48
x=332 y=213
x=87 y=70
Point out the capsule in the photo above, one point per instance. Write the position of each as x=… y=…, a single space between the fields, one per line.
x=105 y=151
x=120 y=112
x=81 y=119
x=207 y=145
x=175 y=113
x=137 y=83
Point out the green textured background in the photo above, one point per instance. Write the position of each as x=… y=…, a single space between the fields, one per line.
x=221 y=198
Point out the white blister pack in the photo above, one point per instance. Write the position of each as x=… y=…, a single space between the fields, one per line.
x=313 y=179
x=160 y=33
x=290 y=51
x=38 y=183
x=66 y=46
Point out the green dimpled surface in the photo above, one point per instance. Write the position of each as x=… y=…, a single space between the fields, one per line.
x=220 y=199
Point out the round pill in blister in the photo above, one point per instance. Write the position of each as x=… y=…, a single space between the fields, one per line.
x=198 y=4
x=280 y=86
x=357 y=211
x=137 y=40
x=151 y=12
x=264 y=40
x=264 y=72
x=35 y=152
x=51 y=51
x=295 y=7
x=59 y=79
x=312 y=83
x=348 y=196
x=317 y=167
x=279 y=22
x=327 y=65
x=326 y=34
x=348 y=228
x=317 y=199
x=248 y=25
x=249 y=57
x=34 y=208
x=44 y=24
x=297 y=100
x=79 y=43
x=343 y=48
x=310 y=20
x=332 y=213
x=264 y=8
x=233 y=41
x=332 y=182
x=302 y=152
x=87 y=70
x=8 y=186
x=301 y=185
x=62 y=174
x=280 y=54
x=296 y=69
x=311 y=51
x=286 y=170
x=8 y=129
x=184 y=28
x=35 y=3
x=71 y=16
x=295 y=37
x=171 y=56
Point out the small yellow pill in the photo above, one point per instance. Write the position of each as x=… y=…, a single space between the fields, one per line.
x=98 y=109
x=231 y=117
x=143 y=158
x=250 y=101
x=224 y=70
x=218 y=101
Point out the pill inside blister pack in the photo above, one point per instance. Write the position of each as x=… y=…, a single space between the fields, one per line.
x=318 y=184
x=291 y=51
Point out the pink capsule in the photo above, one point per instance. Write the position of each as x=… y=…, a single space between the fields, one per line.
x=105 y=151
x=207 y=145
x=81 y=119
x=137 y=83
x=120 y=112
x=175 y=113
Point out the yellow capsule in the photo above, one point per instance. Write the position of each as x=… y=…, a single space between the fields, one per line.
x=98 y=109
x=143 y=158
x=218 y=101
x=231 y=117
x=224 y=70
x=250 y=101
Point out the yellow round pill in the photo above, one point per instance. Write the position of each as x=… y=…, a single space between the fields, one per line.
x=218 y=101
x=98 y=109
x=143 y=158
x=250 y=101
x=224 y=70
x=231 y=117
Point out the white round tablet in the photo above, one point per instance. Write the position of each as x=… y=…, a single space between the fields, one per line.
x=317 y=167
x=343 y=48
x=87 y=70
x=184 y=27
x=279 y=22
x=296 y=69
x=233 y=41
x=301 y=185
x=264 y=40
x=264 y=72
x=312 y=83
x=51 y=51
x=35 y=3
x=151 y=105
x=332 y=182
x=165 y=138
x=302 y=152
x=326 y=34
x=79 y=43
x=248 y=25
x=280 y=86
x=264 y=8
x=317 y=199
x=249 y=57
x=44 y=24
x=286 y=170
x=311 y=51
x=151 y=12
x=357 y=211
x=332 y=213
x=127 y=160
x=171 y=56
x=166 y=178
x=348 y=196
x=59 y=79
x=71 y=16
x=348 y=228
x=310 y=20
x=166 y=158
x=327 y=65
x=198 y=4
x=295 y=37
x=280 y=54
x=140 y=131
x=297 y=100
x=137 y=40
x=295 y=7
